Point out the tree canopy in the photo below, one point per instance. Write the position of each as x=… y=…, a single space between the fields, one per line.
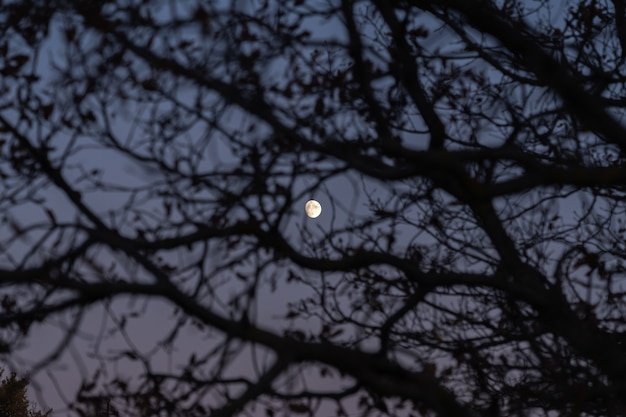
x=469 y=156
x=13 y=398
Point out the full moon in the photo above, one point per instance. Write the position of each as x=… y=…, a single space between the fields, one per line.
x=313 y=209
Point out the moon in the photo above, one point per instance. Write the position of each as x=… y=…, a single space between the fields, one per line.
x=313 y=209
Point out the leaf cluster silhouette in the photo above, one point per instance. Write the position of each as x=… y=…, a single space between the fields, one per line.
x=13 y=398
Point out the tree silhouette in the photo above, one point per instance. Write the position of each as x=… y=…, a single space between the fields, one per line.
x=155 y=158
x=13 y=399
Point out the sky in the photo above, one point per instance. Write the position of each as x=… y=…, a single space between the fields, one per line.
x=53 y=385
x=346 y=198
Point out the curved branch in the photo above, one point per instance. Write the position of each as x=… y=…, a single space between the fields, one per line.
x=588 y=108
x=408 y=74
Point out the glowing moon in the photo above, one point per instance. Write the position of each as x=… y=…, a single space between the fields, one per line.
x=313 y=209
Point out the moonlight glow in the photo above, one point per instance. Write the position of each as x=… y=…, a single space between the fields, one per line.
x=313 y=209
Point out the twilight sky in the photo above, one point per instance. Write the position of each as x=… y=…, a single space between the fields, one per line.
x=134 y=196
